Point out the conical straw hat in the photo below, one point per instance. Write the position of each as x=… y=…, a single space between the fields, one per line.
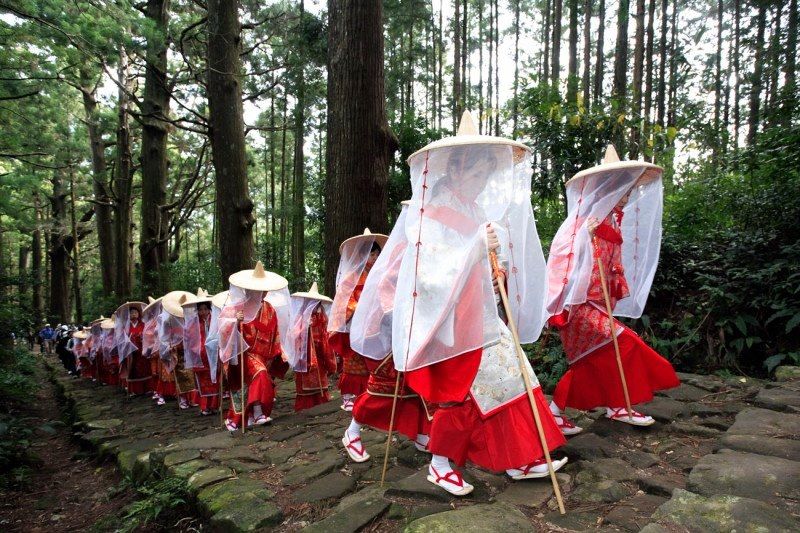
x=313 y=294
x=201 y=297
x=467 y=135
x=138 y=305
x=220 y=299
x=611 y=162
x=258 y=279
x=172 y=302
x=108 y=323
x=150 y=303
x=97 y=320
x=81 y=335
x=380 y=238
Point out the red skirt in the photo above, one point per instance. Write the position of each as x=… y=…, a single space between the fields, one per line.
x=446 y=381
x=166 y=389
x=307 y=401
x=594 y=380
x=88 y=368
x=140 y=375
x=354 y=376
x=261 y=390
x=506 y=439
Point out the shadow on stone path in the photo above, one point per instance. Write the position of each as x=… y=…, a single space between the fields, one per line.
x=724 y=455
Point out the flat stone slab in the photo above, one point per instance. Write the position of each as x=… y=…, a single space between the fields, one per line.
x=333 y=485
x=634 y=513
x=418 y=486
x=603 y=469
x=663 y=409
x=748 y=475
x=217 y=497
x=685 y=393
x=765 y=423
x=784 y=448
x=352 y=518
x=239 y=453
x=787 y=373
x=108 y=423
x=478 y=518
x=779 y=398
x=533 y=492
x=709 y=383
x=187 y=469
x=607 y=491
x=214 y=441
x=209 y=476
x=247 y=513
x=176 y=458
x=720 y=514
x=588 y=446
x=307 y=471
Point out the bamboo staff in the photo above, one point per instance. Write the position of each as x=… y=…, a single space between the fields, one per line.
x=241 y=376
x=175 y=378
x=526 y=378
x=613 y=328
x=391 y=426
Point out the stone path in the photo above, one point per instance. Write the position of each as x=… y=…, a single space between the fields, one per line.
x=723 y=456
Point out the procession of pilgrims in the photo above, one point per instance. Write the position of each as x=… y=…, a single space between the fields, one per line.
x=424 y=335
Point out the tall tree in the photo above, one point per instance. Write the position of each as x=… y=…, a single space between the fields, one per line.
x=103 y=204
x=234 y=208
x=37 y=307
x=515 y=98
x=555 y=63
x=756 y=81
x=154 y=221
x=360 y=144
x=718 y=136
x=636 y=88
x=790 y=62
x=572 y=66
x=58 y=250
x=618 y=90
x=458 y=105
x=123 y=183
x=661 y=99
x=648 y=83
x=587 y=52
x=298 y=259
x=599 y=68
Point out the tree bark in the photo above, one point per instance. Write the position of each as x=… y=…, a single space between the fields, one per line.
x=36 y=264
x=154 y=223
x=298 y=262
x=790 y=64
x=58 y=251
x=123 y=189
x=555 y=69
x=618 y=90
x=23 y=268
x=587 y=53
x=756 y=77
x=661 y=100
x=360 y=144
x=638 y=74
x=716 y=141
x=737 y=80
x=648 y=84
x=544 y=75
x=457 y=101
x=599 y=70
x=234 y=208
x=572 y=67
x=515 y=102
x=103 y=204
x=76 y=264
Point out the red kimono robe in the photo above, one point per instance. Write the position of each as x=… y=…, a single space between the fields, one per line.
x=353 y=379
x=262 y=362
x=139 y=374
x=593 y=378
x=312 y=385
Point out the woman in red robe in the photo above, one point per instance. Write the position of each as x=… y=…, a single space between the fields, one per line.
x=358 y=254
x=311 y=357
x=136 y=367
x=605 y=203
x=197 y=319
x=263 y=361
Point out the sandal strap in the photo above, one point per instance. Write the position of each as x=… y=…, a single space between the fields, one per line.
x=350 y=444
x=565 y=423
x=459 y=481
x=622 y=411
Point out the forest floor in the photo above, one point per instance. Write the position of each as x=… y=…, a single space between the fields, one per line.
x=724 y=455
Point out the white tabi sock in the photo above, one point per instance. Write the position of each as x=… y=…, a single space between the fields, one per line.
x=441 y=464
x=354 y=429
x=554 y=409
x=422 y=439
x=257 y=412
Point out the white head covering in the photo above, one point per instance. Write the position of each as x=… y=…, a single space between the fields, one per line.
x=354 y=256
x=444 y=303
x=594 y=193
x=170 y=334
x=122 y=340
x=192 y=337
x=150 y=333
x=521 y=248
x=371 y=327
x=295 y=344
x=212 y=338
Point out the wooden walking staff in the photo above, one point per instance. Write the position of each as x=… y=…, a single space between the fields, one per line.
x=241 y=375
x=526 y=378
x=613 y=328
x=391 y=427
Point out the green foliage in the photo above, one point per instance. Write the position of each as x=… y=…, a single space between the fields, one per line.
x=155 y=499
x=17 y=385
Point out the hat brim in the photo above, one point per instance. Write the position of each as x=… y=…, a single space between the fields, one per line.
x=271 y=281
x=650 y=171
x=152 y=304
x=96 y=321
x=171 y=302
x=313 y=296
x=380 y=238
x=80 y=335
x=107 y=324
x=127 y=305
x=220 y=299
x=474 y=140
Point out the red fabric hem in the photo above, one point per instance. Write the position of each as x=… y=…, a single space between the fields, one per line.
x=352 y=383
x=446 y=381
x=307 y=401
x=506 y=439
x=410 y=418
x=594 y=380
